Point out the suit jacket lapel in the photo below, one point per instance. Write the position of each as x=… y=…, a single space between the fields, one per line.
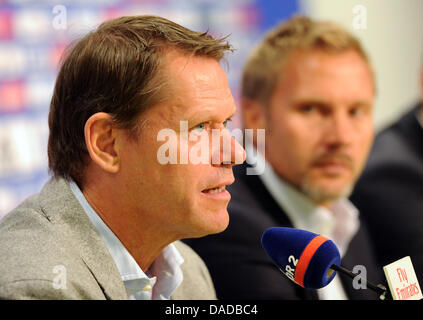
x=262 y=195
x=271 y=207
x=411 y=130
x=63 y=209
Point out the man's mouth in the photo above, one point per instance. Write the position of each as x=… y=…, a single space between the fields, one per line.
x=215 y=190
x=341 y=162
x=332 y=163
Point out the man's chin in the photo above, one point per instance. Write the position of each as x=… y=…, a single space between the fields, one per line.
x=217 y=225
x=326 y=194
x=220 y=226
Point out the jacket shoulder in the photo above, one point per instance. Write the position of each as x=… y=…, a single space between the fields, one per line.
x=37 y=262
x=197 y=283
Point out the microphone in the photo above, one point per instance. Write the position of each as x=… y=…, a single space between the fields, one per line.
x=308 y=259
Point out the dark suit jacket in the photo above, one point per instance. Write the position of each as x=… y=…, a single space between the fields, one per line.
x=240 y=268
x=390 y=192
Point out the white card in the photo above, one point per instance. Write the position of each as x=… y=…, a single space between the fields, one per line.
x=402 y=280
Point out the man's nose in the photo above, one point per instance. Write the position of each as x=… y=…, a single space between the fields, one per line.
x=339 y=129
x=229 y=151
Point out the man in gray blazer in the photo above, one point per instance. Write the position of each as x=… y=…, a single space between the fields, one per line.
x=108 y=223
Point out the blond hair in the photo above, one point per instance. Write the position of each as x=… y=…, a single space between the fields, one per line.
x=265 y=62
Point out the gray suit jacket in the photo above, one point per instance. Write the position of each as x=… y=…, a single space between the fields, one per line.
x=49 y=249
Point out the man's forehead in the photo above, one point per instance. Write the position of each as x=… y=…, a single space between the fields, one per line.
x=176 y=61
x=190 y=107
x=195 y=83
x=316 y=70
x=321 y=60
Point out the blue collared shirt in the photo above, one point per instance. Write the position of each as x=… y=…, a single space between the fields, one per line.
x=158 y=282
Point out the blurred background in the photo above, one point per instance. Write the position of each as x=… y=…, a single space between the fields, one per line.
x=33 y=35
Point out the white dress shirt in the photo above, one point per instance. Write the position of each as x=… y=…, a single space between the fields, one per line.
x=339 y=222
x=158 y=282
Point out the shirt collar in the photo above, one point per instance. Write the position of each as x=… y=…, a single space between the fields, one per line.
x=339 y=222
x=165 y=274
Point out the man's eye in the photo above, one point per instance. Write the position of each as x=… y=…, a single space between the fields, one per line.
x=356 y=112
x=308 y=108
x=225 y=123
x=200 y=127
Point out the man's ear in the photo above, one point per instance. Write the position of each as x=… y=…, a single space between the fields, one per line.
x=253 y=114
x=100 y=138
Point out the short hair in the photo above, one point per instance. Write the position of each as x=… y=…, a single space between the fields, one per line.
x=263 y=67
x=114 y=69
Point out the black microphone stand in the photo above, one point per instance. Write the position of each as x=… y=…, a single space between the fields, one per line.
x=380 y=289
